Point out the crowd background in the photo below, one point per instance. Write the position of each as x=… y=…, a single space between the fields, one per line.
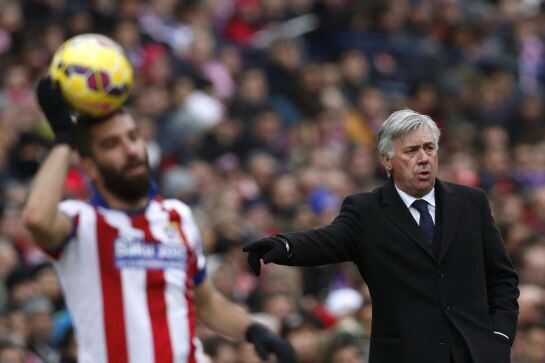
x=262 y=115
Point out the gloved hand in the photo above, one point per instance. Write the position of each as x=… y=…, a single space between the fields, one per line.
x=266 y=342
x=271 y=249
x=56 y=111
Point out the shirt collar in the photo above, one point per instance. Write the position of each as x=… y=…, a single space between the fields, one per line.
x=409 y=199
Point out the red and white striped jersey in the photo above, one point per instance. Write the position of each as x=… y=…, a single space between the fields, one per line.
x=127 y=280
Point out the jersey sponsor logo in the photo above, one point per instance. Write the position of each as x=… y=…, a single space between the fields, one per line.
x=140 y=254
x=171 y=231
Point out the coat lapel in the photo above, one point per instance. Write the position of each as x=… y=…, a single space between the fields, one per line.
x=450 y=207
x=398 y=213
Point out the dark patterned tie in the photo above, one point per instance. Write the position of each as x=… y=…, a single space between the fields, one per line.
x=426 y=222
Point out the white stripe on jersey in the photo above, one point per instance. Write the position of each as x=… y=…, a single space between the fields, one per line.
x=133 y=282
x=81 y=284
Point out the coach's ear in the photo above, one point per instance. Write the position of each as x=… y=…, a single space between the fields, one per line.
x=89 y=167
x=387 y=163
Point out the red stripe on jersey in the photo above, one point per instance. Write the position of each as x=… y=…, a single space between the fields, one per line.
x=176 y=218
x=157 y=306
x=112 y=294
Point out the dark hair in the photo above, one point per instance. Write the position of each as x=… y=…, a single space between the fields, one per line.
x=298 y=321
x=84 y=124
x=339 y=342
x=213 y=345
x=17 y=277
x=37 y=269
x=10 y=342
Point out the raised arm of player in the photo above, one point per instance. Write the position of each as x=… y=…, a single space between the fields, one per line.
x=48 y=226
x=229 y=319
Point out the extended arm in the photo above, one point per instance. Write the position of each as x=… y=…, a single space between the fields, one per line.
x=333 y=243
x=501 y=278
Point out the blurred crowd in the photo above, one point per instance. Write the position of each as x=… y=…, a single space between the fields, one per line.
x=262 y=115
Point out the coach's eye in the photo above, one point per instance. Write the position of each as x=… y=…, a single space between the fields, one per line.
x=430 y=148
x=410 y=151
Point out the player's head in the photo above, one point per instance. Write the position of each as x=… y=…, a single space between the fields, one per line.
x=408 y=143
x=114 y=155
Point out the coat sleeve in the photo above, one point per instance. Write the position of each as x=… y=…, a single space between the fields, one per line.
x=333 y=243
x=501 y=277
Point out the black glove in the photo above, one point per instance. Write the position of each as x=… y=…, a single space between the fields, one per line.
x=271 y=249
x=56 y=111
x=266 y=342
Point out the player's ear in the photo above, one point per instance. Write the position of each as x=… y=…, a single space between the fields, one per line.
x=89 y=167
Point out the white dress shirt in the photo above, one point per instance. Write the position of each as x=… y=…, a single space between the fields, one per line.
x=409 y=199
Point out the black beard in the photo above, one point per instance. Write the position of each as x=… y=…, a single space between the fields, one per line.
x=127 y=189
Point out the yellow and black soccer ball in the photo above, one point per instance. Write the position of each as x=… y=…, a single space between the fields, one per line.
x=94 y=74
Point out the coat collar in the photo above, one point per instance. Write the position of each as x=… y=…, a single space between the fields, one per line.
x=398 y=213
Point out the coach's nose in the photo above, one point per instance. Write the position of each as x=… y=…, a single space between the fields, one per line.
x=423 y=156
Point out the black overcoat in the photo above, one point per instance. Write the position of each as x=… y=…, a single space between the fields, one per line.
x=419 y=297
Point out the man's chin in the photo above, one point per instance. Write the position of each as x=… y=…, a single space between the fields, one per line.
x=423 y=187
x=132 y=189
x=125 y=186
x=134 y=177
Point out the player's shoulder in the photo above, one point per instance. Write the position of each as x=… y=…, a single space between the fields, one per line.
x=176 y=205
x=74 y=206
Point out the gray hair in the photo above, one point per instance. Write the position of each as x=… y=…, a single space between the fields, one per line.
x=402 y=123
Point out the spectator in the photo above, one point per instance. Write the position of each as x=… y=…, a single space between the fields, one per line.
x=38 y=312
x=220 y=350
x=11 y=350
x=344 y=349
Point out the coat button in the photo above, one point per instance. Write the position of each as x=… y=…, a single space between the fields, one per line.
x=441 y=341
x=441 y=274
x=446 y=307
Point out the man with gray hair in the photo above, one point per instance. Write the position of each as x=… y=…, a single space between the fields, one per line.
x=443 y=287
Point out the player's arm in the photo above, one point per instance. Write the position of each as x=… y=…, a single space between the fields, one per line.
x=227 y=318
x=48 y=226
x=220 y=314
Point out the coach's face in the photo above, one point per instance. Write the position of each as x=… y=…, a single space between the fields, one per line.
x=119 y=158
x=414 y=163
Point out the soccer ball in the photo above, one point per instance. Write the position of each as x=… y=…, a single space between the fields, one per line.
x=94 y=74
